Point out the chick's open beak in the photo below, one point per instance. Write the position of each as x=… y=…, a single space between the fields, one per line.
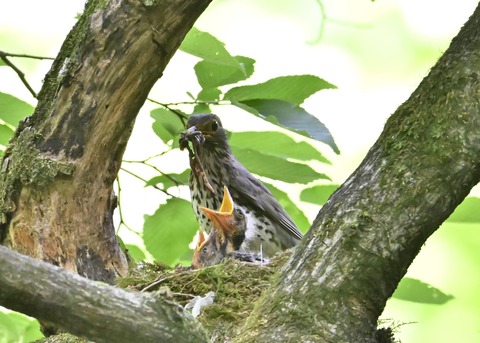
x=227 y=202
x=224 y=215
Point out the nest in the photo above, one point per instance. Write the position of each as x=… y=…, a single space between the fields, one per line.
x=237 y=286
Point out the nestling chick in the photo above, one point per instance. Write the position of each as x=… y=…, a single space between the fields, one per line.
x=227 y=235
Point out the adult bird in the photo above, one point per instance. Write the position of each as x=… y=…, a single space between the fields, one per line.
x=225 y=238
x=269 y=228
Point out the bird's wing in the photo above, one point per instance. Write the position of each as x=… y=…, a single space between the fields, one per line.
x=258 y=196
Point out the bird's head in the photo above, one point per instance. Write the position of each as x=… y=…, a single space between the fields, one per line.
x=207 y=252
x=210 y=127
x=228 y=221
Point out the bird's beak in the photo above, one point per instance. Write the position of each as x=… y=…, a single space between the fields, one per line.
x=194 y=135
x=190 y=131
x=201 y=239
x=223 y=218
x=220 y=219
x=227 y=202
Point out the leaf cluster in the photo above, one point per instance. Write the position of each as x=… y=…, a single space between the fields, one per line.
x=282 y=155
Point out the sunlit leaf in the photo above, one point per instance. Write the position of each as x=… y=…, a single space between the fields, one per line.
x=5 y=134
x=294 y=89
x=135 y=252
x=209 y=48
x=318 y=194
x=209 y=94
x=294 y=118
x=169 y=230
x=277 y=144
x=169 y=180
x=275 y=167
x=166 y=124
x=17 y=327
x=201 y=108
x=420 y=292
x=12 y=109
x=8 y=328
x=467 y=211
x=295 y=213
x=212 y=74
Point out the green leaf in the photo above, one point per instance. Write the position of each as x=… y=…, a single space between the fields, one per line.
x=294 y=89
x=420 y=292
x=135 y=252
x=295 y=213
x=17 y=327
x=209 y=48
x=201 y=108
x=169 y=180
x=318 y=194
x=277 y=144
x=169 y=230
x=12 y=109
x=212 y=74
x=166 y=124
x=5 y=134
x=294 y=118
x=209 y=94
x=8 y=328
x=467 y=211
x=276 y=168
x=246 y=108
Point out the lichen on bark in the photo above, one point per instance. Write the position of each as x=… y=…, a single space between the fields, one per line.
x=29 y=167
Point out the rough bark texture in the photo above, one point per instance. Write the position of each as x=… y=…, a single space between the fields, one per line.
x=56 y=198
x=363 y=240
x=88 y=309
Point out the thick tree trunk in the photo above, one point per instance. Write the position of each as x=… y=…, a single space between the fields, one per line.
x=88 y=309
x=363 y=240
x=56 y=198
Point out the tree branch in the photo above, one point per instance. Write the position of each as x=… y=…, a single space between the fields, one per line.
x=21 y=75
x=360 y=245
x=88 y=309
x=56 y=189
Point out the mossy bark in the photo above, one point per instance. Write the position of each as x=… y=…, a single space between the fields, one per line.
x=423 y=165
x=56 y=197
x=95 y=311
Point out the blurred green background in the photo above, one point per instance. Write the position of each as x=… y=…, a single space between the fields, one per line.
x=376 y=53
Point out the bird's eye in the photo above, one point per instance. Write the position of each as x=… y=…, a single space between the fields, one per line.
x=214 y=125
x=239 y=213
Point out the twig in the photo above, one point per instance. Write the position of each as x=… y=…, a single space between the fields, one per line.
x=21 y=75
x=160 y=280
x=148 y=158
x=323 y=18
x=142 y=179
x=145 y=162
x=3 y=53
x=194 y=102
x=120 y=212
x=183 y=295
x=181 y=116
